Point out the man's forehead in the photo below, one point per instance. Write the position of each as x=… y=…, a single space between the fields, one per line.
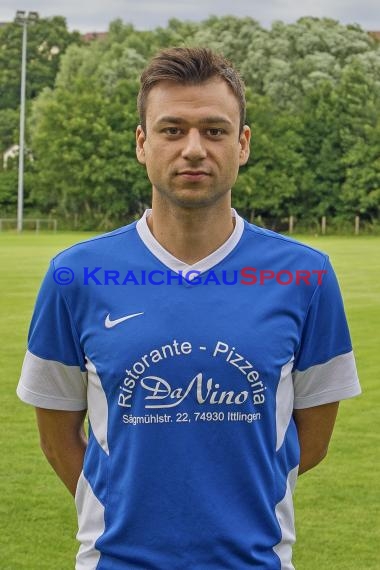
x=210 y=99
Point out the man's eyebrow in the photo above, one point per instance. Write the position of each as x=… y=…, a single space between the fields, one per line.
x=216 y=119
x=205 y=121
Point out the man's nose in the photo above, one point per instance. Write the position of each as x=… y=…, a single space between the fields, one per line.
x=194 y=147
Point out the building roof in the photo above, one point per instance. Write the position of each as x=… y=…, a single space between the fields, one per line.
x=90 y=36
x=375 y=35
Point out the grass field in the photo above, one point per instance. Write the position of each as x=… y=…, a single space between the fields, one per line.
x=337 y=504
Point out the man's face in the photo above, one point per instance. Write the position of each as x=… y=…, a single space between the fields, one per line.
x=192 y=148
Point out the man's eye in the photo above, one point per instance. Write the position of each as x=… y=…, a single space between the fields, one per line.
x=172 y=131
x=215 y=132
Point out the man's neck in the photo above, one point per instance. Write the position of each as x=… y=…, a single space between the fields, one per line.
x=191 y=234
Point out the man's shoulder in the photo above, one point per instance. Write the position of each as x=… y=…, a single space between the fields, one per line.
x=96 y=246
x=272 y=241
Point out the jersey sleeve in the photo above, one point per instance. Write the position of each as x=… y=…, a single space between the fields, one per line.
x=325 y=369
x=53 y=374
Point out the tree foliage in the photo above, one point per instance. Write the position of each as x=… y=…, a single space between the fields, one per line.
x=313 y=102
x=47 y=41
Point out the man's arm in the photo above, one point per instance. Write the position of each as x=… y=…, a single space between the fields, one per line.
x=63 y=441
x=315 y=427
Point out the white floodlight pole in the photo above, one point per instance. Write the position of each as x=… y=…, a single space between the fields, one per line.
x=23 y=20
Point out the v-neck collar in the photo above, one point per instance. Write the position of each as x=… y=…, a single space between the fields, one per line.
x=178 y=266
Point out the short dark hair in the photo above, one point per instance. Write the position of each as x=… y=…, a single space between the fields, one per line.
x=189 y=66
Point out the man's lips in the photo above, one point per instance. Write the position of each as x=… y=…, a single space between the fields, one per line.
x=193 y=174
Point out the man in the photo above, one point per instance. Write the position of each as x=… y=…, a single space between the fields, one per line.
x=209 y=354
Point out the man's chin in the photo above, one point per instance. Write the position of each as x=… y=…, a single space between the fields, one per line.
x=194 y=198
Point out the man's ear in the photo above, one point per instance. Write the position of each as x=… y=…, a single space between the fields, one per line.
x=140 y=141
x=244 y=141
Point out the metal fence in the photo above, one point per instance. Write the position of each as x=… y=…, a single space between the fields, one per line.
x=35 y=224
x=321 y=226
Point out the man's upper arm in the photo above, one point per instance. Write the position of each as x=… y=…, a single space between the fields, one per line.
x=315 y=426
x=54 y=374
x=58 y=425
x=63 y=441
x=324 y=370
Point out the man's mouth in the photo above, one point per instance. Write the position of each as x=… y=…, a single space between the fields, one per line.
x=193 y=175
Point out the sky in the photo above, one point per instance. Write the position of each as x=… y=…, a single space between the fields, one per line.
x=95 y=15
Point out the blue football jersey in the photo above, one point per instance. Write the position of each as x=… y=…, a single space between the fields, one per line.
x=190 y=375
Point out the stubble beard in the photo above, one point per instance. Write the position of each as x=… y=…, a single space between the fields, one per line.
x=191 y=198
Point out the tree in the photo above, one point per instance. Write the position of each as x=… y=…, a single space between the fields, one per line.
x=312 y=98
x=359 y=100
x=48 y=39
x=361 y=189
x=268 y=187
x=83 y=137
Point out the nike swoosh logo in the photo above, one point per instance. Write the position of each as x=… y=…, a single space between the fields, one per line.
x=110 y=324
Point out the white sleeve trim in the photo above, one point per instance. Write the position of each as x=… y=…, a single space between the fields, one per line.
x=52 y=385
x=331 y=381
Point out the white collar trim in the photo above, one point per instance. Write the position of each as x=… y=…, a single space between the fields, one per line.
x=176 y=265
